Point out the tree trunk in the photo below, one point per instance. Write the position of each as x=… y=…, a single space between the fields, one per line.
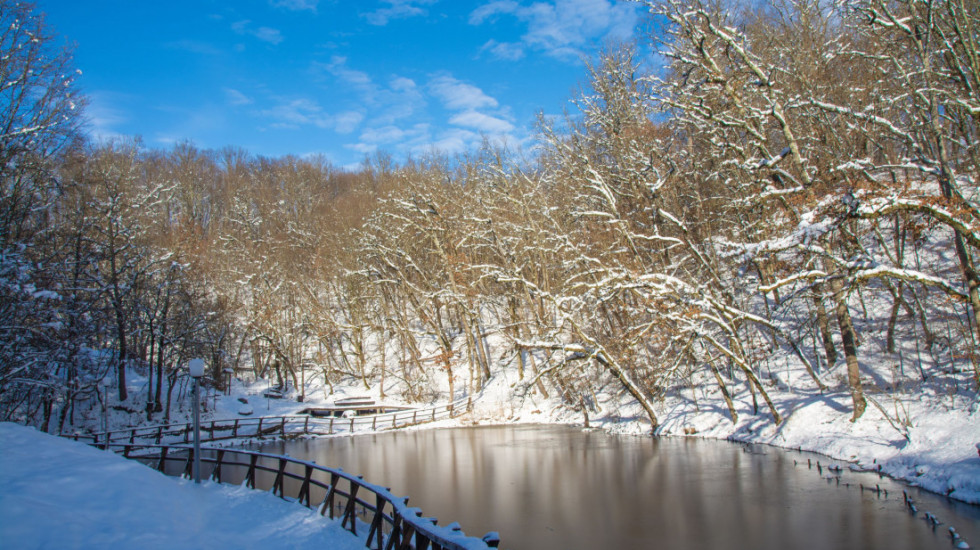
x=823 y=325
x=158 y=405
x=121 y=364
x=724 y=392
x=849 y=339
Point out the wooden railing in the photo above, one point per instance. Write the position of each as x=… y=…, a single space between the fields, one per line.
x=389 y=522
x=263 y=426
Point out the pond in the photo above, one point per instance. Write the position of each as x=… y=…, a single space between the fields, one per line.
x=545 y=487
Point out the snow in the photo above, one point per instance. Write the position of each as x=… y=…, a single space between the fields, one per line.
x=62 y=494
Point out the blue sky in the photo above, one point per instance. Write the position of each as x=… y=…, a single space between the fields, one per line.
x=335 y=77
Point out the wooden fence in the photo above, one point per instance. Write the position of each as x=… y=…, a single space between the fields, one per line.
x=389 y=522
x=265 y=426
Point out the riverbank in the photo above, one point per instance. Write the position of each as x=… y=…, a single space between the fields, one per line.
x=924 y=439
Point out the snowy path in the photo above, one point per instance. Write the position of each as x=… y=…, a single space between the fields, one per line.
x=59 y=494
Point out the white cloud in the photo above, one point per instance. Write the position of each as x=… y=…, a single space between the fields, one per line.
x=481 y=122
x=296 y=5
x=454 y=140
x=365 y=148
x=297 y=112
x=338 y=67
x=509 y=51
x=265 y=34
x=348 y=121
x=491 y=9
x=402 y=84
x=270 y=35
x=398 y=9
x=401 y=97
x=560 y=28
x=458 y=95
x=394 y=138
x=236 y=97
x=103 y=115
x=384 y=134
x=291 y=114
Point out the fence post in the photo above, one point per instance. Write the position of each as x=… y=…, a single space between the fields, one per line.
x=349 y=510
x=492 y=539
x=377 y=522
x=331 y=495
x=304 y=490
x=189 y=468
x=250 y=475
x=279 y=483
x=216 y=473
x=162 y=466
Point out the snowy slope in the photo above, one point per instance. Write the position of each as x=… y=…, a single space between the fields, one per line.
x=60 y=494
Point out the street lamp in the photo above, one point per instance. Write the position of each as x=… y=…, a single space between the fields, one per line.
x=196 y=367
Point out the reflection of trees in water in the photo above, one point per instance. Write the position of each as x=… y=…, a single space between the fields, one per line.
x=554 y=487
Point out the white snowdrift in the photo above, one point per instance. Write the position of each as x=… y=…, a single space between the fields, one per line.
x=56 y=493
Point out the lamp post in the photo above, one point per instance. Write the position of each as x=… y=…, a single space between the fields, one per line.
x=196 y=367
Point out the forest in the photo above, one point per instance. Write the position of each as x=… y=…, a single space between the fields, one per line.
x=740 y=189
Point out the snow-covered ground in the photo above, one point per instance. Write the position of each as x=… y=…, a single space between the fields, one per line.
x=60 y=494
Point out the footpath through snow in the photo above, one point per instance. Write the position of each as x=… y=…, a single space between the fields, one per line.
x=60 y=494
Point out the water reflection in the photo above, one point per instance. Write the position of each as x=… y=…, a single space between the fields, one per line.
x=555 y=487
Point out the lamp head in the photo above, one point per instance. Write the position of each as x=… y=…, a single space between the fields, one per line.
x=196 y=366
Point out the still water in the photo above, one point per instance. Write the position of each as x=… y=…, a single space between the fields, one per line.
x=546 y=487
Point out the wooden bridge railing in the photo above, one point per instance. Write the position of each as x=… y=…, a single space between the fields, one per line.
x=261 y=426
x=389 y=522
